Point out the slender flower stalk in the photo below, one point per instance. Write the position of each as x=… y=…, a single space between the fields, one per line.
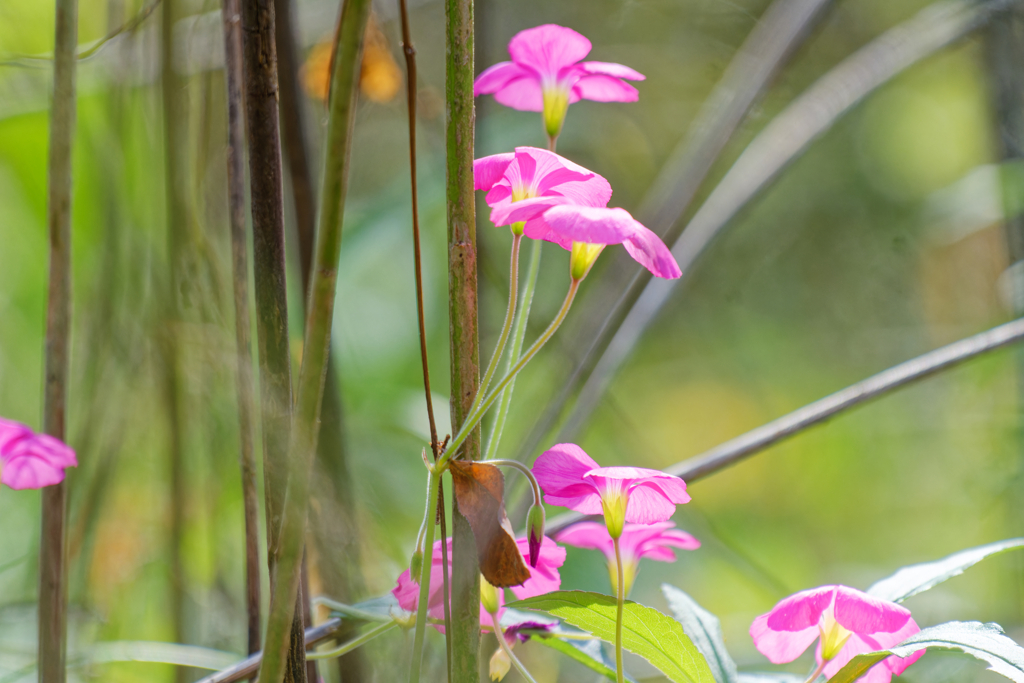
x=817 y=672
x=500 y=635
x=526 y=471
x=474 y=417
x=620 y=599
x=358 y=641
x=522 y=316
x=506 y=329
x=427 y=565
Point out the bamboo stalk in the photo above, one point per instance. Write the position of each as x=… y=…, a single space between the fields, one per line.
x=53 y=575
x=462 y=311
x=260 y=74
x=334 y=529
x=243 y=344
x=303 y=437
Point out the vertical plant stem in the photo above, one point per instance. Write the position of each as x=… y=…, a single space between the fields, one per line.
x=53 y=575
x=503 y=644
x=172 y=88
x=424 y=580
x=303 y=437
x=462 y=311
x=522 y=317
x=620 y=599
x=243 y=344
x=506 y=328
x=260 y=72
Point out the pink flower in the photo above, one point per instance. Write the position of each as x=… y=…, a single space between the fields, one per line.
x=637 y=541
x=546 y=75
x=570 y=478
x=548 y=197
x=544 y=578
x=29 y=460
x=847 y=621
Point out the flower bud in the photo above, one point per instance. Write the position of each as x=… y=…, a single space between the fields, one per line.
x=582 y=257
x=489 y=596
x=614 y=507
x=518 y=227
x=535 y=531
x=416 y=565
x=556 y=104
x=500 y=664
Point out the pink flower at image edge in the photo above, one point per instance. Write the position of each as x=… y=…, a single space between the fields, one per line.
x=29 y=460
x=832 y=613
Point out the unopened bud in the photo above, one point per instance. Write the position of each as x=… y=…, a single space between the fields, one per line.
x=489 y=596
x=535 y=531
x=582 y=258
x=500 y=664
x=416 y=565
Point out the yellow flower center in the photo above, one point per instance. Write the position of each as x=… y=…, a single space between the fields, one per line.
x=833 y=635
x=583 y=256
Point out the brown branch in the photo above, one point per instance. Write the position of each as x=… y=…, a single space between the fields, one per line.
x=53 y=574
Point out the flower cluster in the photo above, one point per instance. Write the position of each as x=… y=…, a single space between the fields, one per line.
x=29 y=460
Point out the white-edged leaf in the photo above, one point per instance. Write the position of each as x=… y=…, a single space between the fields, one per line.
x=704 y=630
x=920 y=577
x=586 y=652
x=982 y=641
x=645 y=631
x=757 y=677
x=161 y=653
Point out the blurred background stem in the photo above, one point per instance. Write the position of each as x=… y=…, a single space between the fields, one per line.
x=53 y=571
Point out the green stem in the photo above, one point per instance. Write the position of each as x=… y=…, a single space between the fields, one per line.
x=320 y=314
x=358 y=641
x=349 y=610
x=817 y=672
x=620 y=599
x=499 y=348
x=421 y=607
x=522 y=316
x=474 y=417
x=526 y=473
x=503 y=644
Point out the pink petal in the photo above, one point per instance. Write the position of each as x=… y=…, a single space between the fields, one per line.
x=560 y=469
x=604 y=89
x=862 y=613
x=524 y=94
x=671 y=487
x=11 y=431
x=610 y=69
x=659 y=548
x=538 y=229
x=540 y=170
x=593 y=535
x=498 y=76
x=507 y=211
x=780 y=646
x=886 y=640
x=487 y=171
x=544 y=578
x=548 y=49
x=590 y=224
x=858 y=644
x=34 y=461
x=800 y=610
x=649 y=251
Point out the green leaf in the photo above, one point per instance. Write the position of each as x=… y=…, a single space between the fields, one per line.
x=920 y=577
x=645 y=631
x=581 y=651
x=161 y=653
x=704 y=630
x=982 y=641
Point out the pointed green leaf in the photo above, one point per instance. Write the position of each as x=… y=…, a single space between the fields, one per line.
x=982 y=641
x=920 y=577
x=704 y=630
x=645 y=631
x=161 y=653
x=581 y=651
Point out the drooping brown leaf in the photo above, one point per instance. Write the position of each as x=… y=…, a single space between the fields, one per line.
x=479 y=491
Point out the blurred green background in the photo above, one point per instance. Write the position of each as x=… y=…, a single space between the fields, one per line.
x=858 y=258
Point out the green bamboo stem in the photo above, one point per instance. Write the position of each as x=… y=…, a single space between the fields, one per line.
x=522 y=317
x=320 y=314
x=477 y=415
x=53 y=544
x=463 y=321
x=620 y=599
x=356 y=642
x=503 y=644
x=506 y=328
x=424 y=580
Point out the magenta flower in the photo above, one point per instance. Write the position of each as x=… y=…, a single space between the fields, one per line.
x=548 y=197
x=29 y=460
x=848 y=623
x=544 y=578
x=546 y=74
x=570 y=478
x=654 y=541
